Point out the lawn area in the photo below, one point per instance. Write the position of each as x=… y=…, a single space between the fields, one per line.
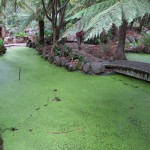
x=53 y=109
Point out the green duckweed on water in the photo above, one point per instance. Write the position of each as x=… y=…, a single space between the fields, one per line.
x=139 y=57
x=53 y=109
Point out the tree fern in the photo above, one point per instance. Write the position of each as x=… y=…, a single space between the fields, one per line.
x=27 y=22
x=112 y=12
x=87 y=13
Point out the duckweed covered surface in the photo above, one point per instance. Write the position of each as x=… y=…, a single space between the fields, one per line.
x=52 y=109
x=139 y=57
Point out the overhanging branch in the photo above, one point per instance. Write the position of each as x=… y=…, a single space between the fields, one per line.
x=63 y=6
x=46 y=14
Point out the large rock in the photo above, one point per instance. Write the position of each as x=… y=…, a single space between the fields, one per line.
x=45 y=53
x=80 y=65
x=63 y=61
x=8 y=40
x=97 y=67
x=57 y=61
x=87 y=67
x=72 y=66
x=66 y=65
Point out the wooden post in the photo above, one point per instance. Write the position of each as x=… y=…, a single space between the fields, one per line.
x=19 y=73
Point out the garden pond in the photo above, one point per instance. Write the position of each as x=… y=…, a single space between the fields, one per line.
x=50 y=108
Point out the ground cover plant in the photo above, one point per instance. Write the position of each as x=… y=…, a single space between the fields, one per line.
x=50 y=108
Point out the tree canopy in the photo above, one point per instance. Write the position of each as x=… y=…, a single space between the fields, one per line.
x=101 y=16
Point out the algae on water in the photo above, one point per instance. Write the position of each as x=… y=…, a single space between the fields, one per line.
x=93 y=112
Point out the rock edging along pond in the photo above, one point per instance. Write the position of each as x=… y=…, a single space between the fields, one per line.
x=72 y=60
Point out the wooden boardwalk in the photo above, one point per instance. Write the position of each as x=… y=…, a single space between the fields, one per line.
x=135 y=69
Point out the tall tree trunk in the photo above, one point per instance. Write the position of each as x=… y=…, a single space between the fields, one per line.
x=15 y=5
x=56 y=33
x=120 y=53
x=141 y=24
x=41 y=28
x=2 y=30
x=57 y=16
x=114 y=32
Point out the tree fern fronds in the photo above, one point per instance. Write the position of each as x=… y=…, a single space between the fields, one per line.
x=121 y=10
x=27 y=22
x=124 y=9
x=25 y=7
x=93 y=10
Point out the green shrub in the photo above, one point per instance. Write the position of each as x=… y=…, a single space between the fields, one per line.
x=57 y=51
x=66 y=51
x=1 y=42
x=21 y=34
x=76 y=56
x=146 y=38
x=47 y=33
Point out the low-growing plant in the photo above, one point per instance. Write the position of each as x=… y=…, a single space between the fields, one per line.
x=1 y=42
x=47 y=33
x=146 y=38
x=62 y=41
x=21 y=34
x=57 y=51
x=66 y=51
x=76 y=56
x=61 y=50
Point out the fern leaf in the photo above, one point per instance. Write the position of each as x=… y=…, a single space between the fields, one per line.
x=115 y=14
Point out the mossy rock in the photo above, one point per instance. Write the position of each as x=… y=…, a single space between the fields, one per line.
x=2 y=50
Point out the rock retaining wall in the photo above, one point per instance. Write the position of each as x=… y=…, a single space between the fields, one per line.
x=71 y=65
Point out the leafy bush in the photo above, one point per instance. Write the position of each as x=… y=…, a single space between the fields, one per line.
x=61 y=50
x=2 y=47
x=57 y=51
x=20 y=34
x=66 y=51
x=146 y=38
x=1 y=42
x=47 y=33
x=69 y=25
x=76 y=56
